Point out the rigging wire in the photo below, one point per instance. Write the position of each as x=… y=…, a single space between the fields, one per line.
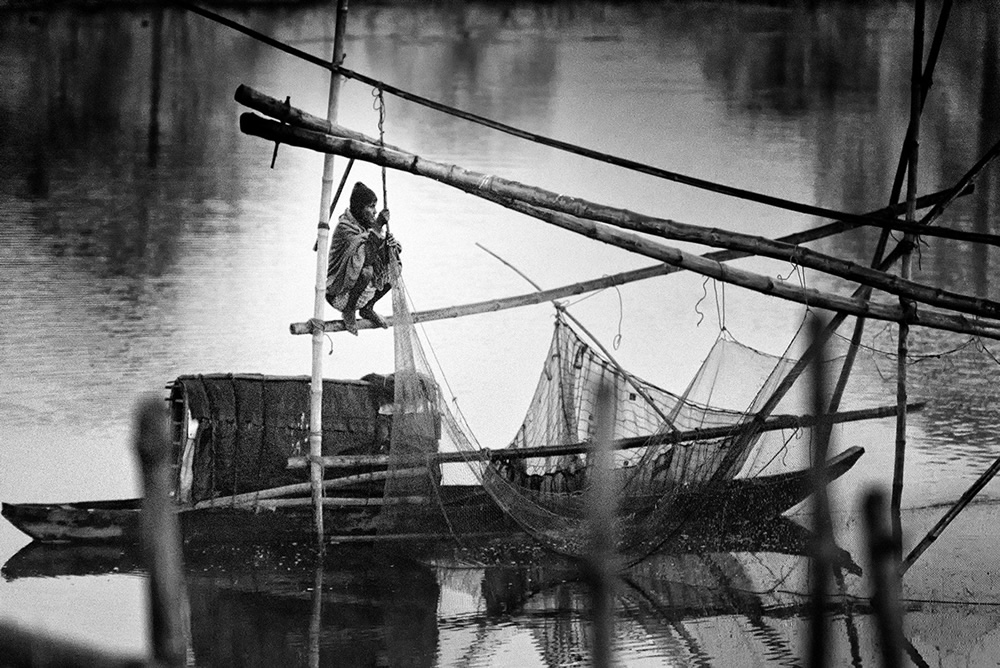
x=684 y=179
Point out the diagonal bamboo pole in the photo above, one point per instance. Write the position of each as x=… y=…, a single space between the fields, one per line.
x=949 y=516
x=882 y=218
x=491 y=187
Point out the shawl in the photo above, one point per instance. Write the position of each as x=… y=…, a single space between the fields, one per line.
x=347 y=254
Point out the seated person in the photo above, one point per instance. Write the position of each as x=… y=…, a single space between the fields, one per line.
x=358 y=270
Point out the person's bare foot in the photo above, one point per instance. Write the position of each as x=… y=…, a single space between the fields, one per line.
x=370 y=314
x=350 y=322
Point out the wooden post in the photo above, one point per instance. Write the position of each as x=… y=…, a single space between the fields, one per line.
x=160 y=536
x=907 y=305
x=322 y=236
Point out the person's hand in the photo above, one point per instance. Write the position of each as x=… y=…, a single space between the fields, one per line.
x=382 y=219
x=390 y=242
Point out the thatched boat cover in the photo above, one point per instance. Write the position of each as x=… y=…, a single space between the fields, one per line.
x=250 y=424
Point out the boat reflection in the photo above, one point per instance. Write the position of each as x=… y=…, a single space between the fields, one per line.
x=369 y=606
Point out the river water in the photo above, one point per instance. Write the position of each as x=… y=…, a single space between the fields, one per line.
x=143 y=236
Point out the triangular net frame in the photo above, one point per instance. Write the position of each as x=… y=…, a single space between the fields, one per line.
x=544 y=496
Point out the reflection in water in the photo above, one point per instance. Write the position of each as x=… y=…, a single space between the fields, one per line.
x=362 y=606
x=144 y=235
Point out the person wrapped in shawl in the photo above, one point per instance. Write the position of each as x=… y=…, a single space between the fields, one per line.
x=360 y=255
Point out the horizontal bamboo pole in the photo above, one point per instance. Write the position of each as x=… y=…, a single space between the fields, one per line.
x=478 y=183
x=346 y=502
x=504 y=303
x=708 y=433
x=250 y=498
x=883 y=218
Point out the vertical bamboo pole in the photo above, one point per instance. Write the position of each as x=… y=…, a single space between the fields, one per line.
x=904 y=328
x=322 y=237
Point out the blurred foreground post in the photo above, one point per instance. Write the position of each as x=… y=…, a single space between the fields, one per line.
x=882 y=562
x=824 y=547
x=160 y=535
x=601 y=502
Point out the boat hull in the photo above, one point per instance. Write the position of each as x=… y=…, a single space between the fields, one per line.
x=727 y=506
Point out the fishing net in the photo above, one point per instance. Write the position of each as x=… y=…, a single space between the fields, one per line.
x=669 y=451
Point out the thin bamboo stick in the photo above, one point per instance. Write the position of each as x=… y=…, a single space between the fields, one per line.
x=305 y=487
x=577 y=214
x=345 y=502
x=899 y=461
x=708 y=433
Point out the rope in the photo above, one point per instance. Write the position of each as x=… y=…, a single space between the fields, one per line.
x=379 y=105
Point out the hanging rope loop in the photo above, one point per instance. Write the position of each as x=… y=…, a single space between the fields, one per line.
x=378 y=104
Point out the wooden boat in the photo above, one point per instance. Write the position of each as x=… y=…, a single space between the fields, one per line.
x=238 y=439
x=727 y=506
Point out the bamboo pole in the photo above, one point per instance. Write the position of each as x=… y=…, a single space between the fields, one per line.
x=775 y=423
x=904 y=329
x=251 y=498
x=949 y=516
x=632 y=165
x=319 y=300
x=574 y=213
x=298 y=119
x=346 y=502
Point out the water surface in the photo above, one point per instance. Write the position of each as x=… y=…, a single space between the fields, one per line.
x=142 y=237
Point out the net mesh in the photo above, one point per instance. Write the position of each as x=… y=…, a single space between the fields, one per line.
x=544 y=495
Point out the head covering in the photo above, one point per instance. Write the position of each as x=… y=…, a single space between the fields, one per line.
x=361 y=197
